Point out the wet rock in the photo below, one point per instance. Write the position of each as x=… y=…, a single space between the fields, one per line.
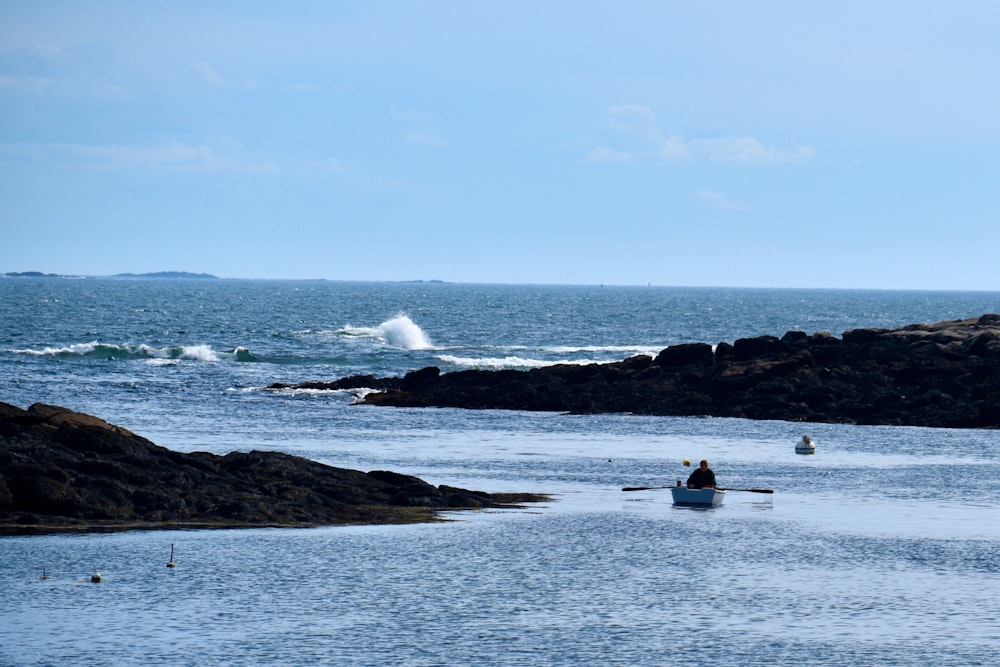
x=939 y=375
x=61 y=469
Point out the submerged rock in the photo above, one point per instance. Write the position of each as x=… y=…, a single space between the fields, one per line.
x=938 y=375
x=61 y=469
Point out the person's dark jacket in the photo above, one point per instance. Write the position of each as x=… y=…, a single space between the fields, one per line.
x=701 y=478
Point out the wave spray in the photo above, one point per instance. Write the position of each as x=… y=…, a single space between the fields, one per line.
x=402 y=332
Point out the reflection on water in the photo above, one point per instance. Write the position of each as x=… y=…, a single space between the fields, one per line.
x=597 y=578
x=868 y=552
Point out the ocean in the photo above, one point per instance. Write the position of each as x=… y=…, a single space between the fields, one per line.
x=883 y=548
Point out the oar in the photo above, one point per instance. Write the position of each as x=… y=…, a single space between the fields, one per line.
x=644 y=488
x=647 y=488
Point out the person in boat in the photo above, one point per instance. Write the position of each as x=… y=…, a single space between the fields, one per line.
x=702 y=477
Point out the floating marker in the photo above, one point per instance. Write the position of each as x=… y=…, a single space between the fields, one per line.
x=95 y=578
x=170 y=563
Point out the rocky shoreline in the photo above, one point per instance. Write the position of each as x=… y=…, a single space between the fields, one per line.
x=62 y=470
x=943 y=375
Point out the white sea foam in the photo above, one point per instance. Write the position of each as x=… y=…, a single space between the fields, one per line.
x=78 y=349
x=508 y=362
x=243 y=354
x=624 y=350
x=400 y=331
x=301 y=391
x=199 y=353
x=142 y=351
x=585 y=354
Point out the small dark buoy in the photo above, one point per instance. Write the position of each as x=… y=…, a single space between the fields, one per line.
x=95 y=578
x=170 y=563
x=45 y=575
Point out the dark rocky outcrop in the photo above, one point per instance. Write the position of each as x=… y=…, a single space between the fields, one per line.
x=938 y=375
x=61 y=469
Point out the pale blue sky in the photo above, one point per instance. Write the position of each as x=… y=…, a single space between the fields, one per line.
x=757 y=144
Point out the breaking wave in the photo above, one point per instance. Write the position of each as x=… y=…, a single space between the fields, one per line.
x=550 y=355
x=623 y=350
x=400 y=331
x=507 y=362
x=97 y=350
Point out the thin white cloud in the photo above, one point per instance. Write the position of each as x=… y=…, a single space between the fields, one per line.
x=334 y=166
x=210 y=76
x=631 y=133
x=216 y=80
x=68 y=86
x=633 y=120
x=171 y=157
x=31 y=84
x=605 y=154
x=419 y=128
x=747 y=150
x=721 y=202
x=330 y=164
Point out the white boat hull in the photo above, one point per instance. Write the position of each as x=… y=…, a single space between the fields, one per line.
x=697 y=497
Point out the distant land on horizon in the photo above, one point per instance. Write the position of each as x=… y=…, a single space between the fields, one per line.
x=188 y=275
x=157 y=274
x=164 y=274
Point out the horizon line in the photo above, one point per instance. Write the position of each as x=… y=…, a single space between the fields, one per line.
x=189 y=275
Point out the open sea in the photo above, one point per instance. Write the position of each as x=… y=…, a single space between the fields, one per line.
x=883 y=548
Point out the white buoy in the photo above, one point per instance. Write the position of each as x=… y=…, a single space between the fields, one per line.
x=170 y=563
x=805 y=446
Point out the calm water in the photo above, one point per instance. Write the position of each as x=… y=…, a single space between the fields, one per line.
x=881 y=549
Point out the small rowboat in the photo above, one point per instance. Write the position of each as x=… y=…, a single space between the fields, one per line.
x=697 y=497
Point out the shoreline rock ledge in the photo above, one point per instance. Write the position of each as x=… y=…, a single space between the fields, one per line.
x=943 y=375
x=64 y=470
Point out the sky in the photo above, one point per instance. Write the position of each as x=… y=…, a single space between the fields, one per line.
x=734 y=144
